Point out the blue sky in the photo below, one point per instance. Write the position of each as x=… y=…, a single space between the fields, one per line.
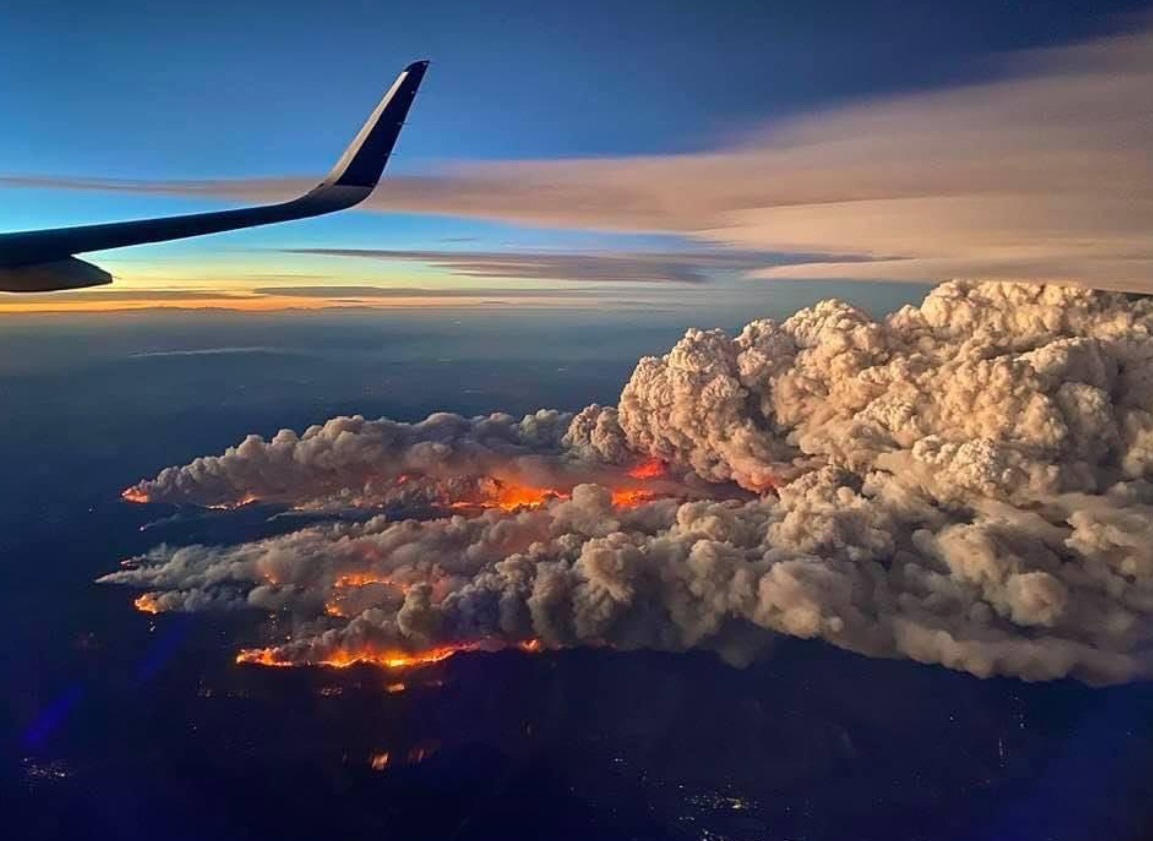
x=220 y=89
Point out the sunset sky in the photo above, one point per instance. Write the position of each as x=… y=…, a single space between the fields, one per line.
x=111 y=112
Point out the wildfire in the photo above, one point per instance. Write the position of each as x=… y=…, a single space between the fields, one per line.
x=650 y=468
x=139 y=496
x=360 y=579
x=379 y=761
x=134 y=494
x=510 y=496
x=247 y=499
x=387 y=658
x=632 y=497
x=146 y=603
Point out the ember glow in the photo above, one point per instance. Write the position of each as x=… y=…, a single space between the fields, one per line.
x=510 y=496
x=146 y=604
x=361 y=579
x=247 y=499
x=384 y=658
x=632 y=497
x=135 y=494
x=139 y=496
x=650 y=468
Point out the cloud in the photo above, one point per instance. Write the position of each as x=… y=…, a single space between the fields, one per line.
x=625 y=267
x=965 y=483
x=1045 y=173
x=386 y=292
x=211 y=351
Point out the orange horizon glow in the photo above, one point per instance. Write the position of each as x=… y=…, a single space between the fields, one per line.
x=248 y=302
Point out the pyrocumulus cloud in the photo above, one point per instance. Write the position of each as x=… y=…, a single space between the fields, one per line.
x=965 y=483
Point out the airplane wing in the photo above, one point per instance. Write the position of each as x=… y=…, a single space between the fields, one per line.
x=43 y=261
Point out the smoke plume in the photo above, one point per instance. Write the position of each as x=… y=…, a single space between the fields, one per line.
x=965 y=483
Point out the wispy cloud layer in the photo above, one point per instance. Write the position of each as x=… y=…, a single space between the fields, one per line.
x=1045 y=173
x=622 y=267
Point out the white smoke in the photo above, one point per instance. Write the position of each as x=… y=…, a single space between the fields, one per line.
x=964 y=483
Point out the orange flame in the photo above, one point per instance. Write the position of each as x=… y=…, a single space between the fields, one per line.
x=147 y=604
x=379 y=761
x=140 y=496
x=135 y=494
x=632 y=497
x=247 y=499
x=388 y=658
x=360 y=579
x=650 y=468
x=510 y=496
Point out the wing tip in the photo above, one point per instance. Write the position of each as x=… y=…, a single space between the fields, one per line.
x=364 y=160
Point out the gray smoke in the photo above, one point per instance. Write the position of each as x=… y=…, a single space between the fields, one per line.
x=964 y=483
x=352 y=461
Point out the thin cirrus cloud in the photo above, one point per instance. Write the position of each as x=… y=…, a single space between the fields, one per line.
x=1044 y=173
x=623 y=267
x=370 y=293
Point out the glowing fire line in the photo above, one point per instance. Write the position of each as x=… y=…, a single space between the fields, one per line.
x=388 y=659
x=511 y=497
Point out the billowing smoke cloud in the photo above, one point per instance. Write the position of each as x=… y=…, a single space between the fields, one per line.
x=356 y=462
x=965 y=483
x=1043 y=174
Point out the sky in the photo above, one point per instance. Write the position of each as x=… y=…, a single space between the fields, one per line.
x=127 y=109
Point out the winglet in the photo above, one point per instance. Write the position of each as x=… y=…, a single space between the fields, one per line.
x=364 y=160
